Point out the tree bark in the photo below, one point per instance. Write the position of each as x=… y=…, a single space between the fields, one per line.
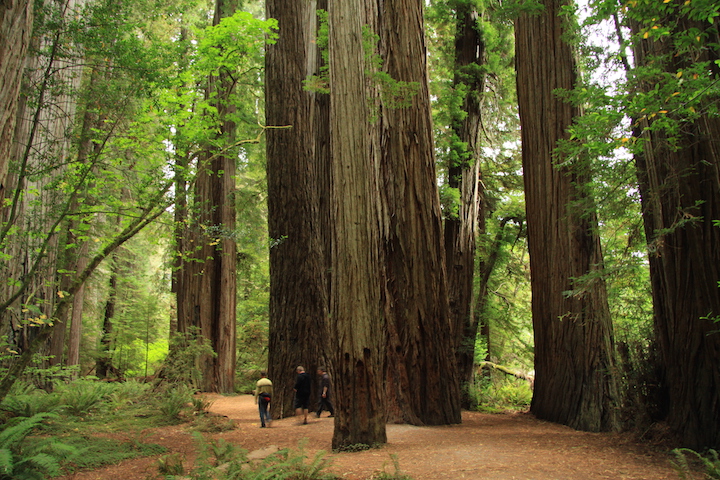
x=680 y=189
x=207 y=300
x=298 y=199
x=462 y=227
x=423 y=381
x=574 y=352
x=358 y=281
x=16 y=18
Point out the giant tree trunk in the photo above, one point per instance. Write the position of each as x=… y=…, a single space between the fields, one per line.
x=207 y=296
x=16 y=18
x=574 y=359
x=463 y=226
x=298 y=196
x=358 y=281
x=423 y=381
x=680 y=190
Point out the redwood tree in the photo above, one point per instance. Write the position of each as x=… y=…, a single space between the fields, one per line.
x=206 y=293
x=574 y=352
x=678 y=176
x=466 y=219
x=358 y=281
x=298 y=198
x=16 y=20
x=422 y=383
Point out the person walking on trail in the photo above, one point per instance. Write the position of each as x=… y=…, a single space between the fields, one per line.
x=263 y=393
x=324 y=394
x=302 y=393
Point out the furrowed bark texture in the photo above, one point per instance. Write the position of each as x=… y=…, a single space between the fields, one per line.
x=463 y=174
x=419 y=325
x=680 y=190
x=298 y=200
x=574 y=359
x=16 y=18
x=209 y=297
x=358 y=316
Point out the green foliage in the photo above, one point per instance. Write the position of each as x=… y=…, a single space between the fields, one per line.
x=171 y=464
x=320 y=83
x=20 y=459
x=96 y=452
x=174 y=400
x=498 y=392
x=395 y=475
x=710 y=463
x=181 y=363
x=222 y=460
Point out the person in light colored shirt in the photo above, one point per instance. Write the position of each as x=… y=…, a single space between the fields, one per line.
x=263 y=393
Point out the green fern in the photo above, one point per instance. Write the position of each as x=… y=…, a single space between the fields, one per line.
x=21 y=458
x=711 y=463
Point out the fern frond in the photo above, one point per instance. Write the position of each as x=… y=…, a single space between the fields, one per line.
x=6 y=461
x=14 y=433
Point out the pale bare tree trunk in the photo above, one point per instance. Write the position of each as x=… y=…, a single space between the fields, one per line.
x=574 y=353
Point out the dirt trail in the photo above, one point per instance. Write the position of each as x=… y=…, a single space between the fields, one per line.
x=484 y=447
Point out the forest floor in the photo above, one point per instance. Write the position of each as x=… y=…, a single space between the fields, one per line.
x=484 y=446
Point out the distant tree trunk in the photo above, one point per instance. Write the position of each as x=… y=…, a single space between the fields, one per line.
x=574 y=351
x=423 y=381
x=103 y=363
x=462 y=227
x=680 y=190
x=77 y=312
x=358 y=281
x=208 y=298
x=298 y=199
x=16 y=19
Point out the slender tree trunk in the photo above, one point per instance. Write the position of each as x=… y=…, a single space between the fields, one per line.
x=422 y=382
x=358 y=281
x=462 y=229
x=77 y=312
x=103 y=364
x=298 y=199
x=680 y=188
x=574 y=352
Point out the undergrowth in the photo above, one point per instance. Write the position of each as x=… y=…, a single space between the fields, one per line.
x=74 y=427
x=222 y=460
x=493 y=394
x=688 y=461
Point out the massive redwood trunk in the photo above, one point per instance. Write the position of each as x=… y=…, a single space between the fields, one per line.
x=298 y=199
x=680 y=189
x=422 y=382
x=574 y=352
x=358 y=281
x=208 y=297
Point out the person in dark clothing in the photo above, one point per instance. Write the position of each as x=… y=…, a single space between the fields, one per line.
x=302 y=393
x=324 y=394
